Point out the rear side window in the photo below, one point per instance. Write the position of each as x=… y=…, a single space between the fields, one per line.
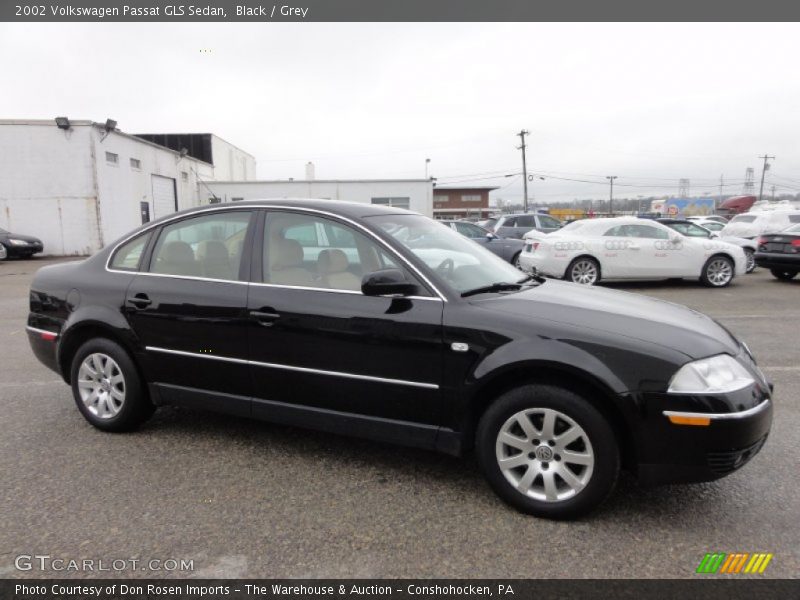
x=526 y=221
x=794 y=218
x=129 y=255
x=207 y=246
x=743 y=219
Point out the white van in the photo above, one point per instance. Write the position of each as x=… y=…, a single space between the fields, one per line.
x=752 y=224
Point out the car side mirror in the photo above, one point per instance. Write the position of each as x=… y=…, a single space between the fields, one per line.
x=387 y=282
x=490 y=236
x=713 y=235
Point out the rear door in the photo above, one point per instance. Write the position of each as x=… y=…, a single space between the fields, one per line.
x=188 y=309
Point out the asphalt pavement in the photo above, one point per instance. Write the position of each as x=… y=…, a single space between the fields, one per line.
x=242 y=498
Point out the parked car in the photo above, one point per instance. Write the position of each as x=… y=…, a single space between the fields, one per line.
x=696 y=230
x=14 y=245
x=753 y=224
x=780 y=253
x=620 y=248
x=516 y=226
x=421 y=338
x=508 y=249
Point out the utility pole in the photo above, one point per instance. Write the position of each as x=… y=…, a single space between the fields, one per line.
x=721 y=184
x=522 y=135
x=773 y=193
x=766 y=157
x=427 y=162
x=611 y=179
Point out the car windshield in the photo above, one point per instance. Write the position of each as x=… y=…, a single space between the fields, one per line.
x=461 y=263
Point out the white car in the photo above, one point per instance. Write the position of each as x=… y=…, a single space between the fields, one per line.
x=707 y=218
x=629 y=248
x=753 y=224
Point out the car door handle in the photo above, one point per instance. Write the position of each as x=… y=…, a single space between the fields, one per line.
x=265 y=318
x=140 y=301
x=633 y=247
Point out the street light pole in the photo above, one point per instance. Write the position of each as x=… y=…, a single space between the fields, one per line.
x=611 y=179
x=522 y=135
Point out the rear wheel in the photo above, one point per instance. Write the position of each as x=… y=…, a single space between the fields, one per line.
x=583 y=270
x=750 y=260
x=547 y=452
x=782 y=274
x=3 y=252
x=718 y=271
x=107 y=388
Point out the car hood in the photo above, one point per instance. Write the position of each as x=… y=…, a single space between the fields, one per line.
x=739 y=241
x=17 y=236
x=621 y=313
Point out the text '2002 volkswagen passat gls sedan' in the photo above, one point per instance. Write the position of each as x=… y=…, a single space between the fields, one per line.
x=382 y=323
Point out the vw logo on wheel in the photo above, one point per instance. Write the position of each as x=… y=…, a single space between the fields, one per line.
x=544 y=453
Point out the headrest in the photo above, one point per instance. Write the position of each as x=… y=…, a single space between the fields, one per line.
x=332 y=261
x=286 y=254
x=177 y=252
x=212 y=250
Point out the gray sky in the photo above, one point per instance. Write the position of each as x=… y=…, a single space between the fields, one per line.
x=648 y=103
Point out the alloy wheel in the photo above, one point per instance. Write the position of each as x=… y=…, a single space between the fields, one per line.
x=3 y=252
x=545 y=455
x=584 y=272
x=750 y=259
x=101 y=385
x=719 y=272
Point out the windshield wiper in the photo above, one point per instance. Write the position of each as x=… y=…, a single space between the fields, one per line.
x=494 y=287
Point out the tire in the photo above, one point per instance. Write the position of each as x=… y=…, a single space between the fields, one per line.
x=3 y=253
x=783 y=275
x=584 y=270
x=515 y=260
x=106 y=401
x=750 y=260
x=718 y=272
x=596 y=447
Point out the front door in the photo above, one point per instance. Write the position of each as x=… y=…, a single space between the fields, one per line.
x=188 y=309
x=320 y=348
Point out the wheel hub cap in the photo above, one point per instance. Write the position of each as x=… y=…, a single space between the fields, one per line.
x=101 y=385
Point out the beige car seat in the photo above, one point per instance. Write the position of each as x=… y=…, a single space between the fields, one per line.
x=332 y=267
x=286 y=264
x=214 y=260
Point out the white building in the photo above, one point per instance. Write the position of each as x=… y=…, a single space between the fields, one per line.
x=411 y=194
x=79 y=185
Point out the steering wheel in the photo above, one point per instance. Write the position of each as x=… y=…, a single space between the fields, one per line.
x=446 y=268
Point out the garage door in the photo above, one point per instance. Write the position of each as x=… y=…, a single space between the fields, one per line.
x=164 y=200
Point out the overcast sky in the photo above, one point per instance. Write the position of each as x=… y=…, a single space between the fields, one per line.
x=648 y=103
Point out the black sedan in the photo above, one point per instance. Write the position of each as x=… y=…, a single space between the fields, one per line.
x=14 y=245
x=780 y=252
x=508 y=249
x=377 y=322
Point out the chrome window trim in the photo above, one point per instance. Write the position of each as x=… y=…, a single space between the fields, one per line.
x=391 y=250
x=242 y=361
x=44 y=331
x=743 y=414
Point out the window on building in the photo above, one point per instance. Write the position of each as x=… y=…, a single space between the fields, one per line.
x=393 y=202
x=440 y=197
x=112 y=158
x=136 y=164
x=184 y=176
x=470 y=197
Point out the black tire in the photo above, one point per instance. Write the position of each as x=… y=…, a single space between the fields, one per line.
x=3 y=253
x=709 y=275
x=602 y=444
x=133 y=410
x=750 y=260
x=515 y=260
x=783 y=275
x=585 y=264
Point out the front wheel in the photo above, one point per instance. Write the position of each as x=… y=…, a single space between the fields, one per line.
x=783 y=275
x=547 y=452
x=583 y=270
x=717 y=272
x=107 y=387
x=3 y=252
x=515 y=261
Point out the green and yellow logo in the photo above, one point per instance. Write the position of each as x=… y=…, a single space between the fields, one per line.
x=737 y=562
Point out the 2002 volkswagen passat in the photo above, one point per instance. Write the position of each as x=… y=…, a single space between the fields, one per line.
x=382 y=323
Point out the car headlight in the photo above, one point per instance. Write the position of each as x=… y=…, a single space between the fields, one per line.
x=714 y=375
x=14 y=242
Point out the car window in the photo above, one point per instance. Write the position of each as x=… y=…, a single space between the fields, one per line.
x=618 y=231
x=794 y=218
x=470 y=230
x=743 y=219
x=793 y=229
x=129 y=254
x=688 y=229
x=507 y=222
x=713 y=225
x=308 y=251
x=549 y=222
x=207 y=246
x=648 y=231
x=526 y=221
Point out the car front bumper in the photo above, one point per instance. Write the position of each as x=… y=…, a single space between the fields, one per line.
x=696 y=438
x=775 y=260
x=23 y=251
